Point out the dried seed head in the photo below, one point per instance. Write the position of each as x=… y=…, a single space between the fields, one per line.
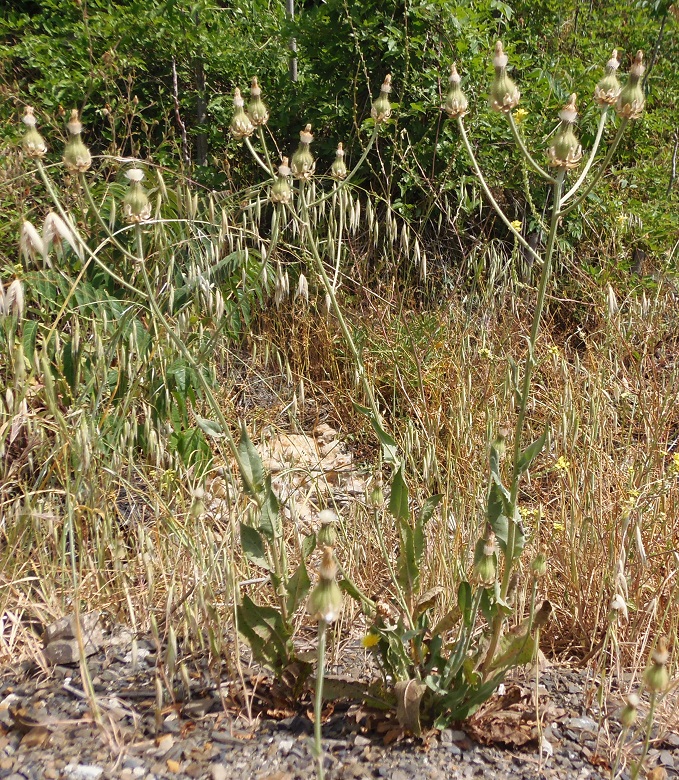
x=504 y=94
x=566 y=151
x=33 y=143
x=281 y=191
x=656 y=675
x=628 y=715
x=632 y=100
x=257 y=111
x=456 y=101
x=136 y=204
x=607 y=91
x=12 y=300
x=325 y=601
x=302 y=290
x=31 y=244
x=339 y=168
x=327 y=533
x=303 y=164
x=55 y=231
x=381 y=109
x=241 y=126
x=77 y=157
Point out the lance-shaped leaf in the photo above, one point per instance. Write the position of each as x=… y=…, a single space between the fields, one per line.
x=389 y=448
x=530 y=453
x=298 y=587
x=253 y=546
x=398 y=501
x=250 y=464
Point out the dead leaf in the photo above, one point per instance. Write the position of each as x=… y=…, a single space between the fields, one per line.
x=507 y=720
x=37 y=737
x=409 y=695
x=657 y=773
x=23 y=721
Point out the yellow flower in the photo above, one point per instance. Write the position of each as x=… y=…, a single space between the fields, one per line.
x=370 y=640
x=675 y=461
x=485 y=353
x=517 y=225
x=553 y=350
x=519 y=115
x=562 y=464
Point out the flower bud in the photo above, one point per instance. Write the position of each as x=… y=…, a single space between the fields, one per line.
x=77 y=157
x=303 y=163
x=281 y=192
x=381 y=109
x=456 y=101
x=257 y=111
x=33 y=143
x=339 y=168
x=539 y=565
x=504 y=94
x=377 y=492
x=607 y=91
x=566 y=151
x=628 y=715
x=631 y=102
x=327 y=535
x=325 y=601
x=241 y=126
x=485 y=560
x=136 y=204
x=656 y=675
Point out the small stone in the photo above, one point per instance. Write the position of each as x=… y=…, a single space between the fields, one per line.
x=672 y=740
x=452 y=735
x=139 y=771
x=218 y=772
x=361 y=741
x=285 y=746
x=666 y=758
x=83 y=771
x=582 y=724
x=173 y=766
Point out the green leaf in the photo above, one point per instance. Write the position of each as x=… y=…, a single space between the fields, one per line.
x=263 y=629
x=531 y=452
x=429 y=507
x=496 y=513
x=389 y=448
x=30 y=332
x=251 y=467
x=308 y=545
x=269 y=516
x=209 y=427
x=253 y=546
x=298 y=587
x=398 y=501
x=464 y=601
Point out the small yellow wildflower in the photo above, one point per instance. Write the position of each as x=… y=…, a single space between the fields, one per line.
x=517 y=225
x=519 y=115
x=675 y=461
x=562 y=464
x=485 y=353
x=370 y=640
x=553 y=350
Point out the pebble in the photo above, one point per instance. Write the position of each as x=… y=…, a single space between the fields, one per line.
x=666 y=758
x=218 y=772
x=83 y=771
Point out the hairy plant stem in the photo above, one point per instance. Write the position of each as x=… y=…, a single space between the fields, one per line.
x=522 y=146
x=510 y=550
x=647 y=736
x=318 y=699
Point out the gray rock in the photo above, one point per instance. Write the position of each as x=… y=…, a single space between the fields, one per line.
x=83 y=771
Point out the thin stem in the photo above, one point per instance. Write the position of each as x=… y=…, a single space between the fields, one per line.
x=524 y=149
x=351 y=173
x=592 y=154
x=267 y=157
x=101 y=221
x=647 y=737
x=77 y=236
x=318 y=701
x=258 y=159
x=489 y=195
x=528 y=374
x=600 y=172
x=339 y=200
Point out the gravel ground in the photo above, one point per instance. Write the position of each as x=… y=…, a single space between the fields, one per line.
x=47 y=732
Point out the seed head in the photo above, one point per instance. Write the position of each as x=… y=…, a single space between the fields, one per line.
x=456 y=101
x=504 y=94
x=632 y=100
x=257 y=111
x=566 y=151
x=136 y=204
x=241 y=126
x=339 y=168
x=33 y=143
x=325 y=601
x=303 y=163
x=327 y=534
x=77 y=157
x=280 y=191
x=628 y=715
x=656 y=675
x=607 y=91
x=381 y=109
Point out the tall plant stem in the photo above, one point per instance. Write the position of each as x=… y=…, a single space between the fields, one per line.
x=318 y=701
x=258 y=159
x=510 y=549
x=647 y=737
x=524 y=150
